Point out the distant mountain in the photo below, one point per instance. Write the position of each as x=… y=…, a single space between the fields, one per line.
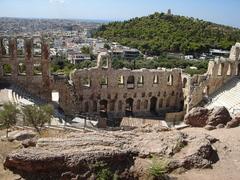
x=161 y=32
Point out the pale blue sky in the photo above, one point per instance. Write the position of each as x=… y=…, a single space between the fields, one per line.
x=219 y=11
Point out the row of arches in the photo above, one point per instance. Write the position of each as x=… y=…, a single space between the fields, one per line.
x=7 y=69
x=131 y=81
x=129 y=106
x=20 y=45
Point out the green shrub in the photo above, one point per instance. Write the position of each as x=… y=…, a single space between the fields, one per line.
x=104 y=174
x=158 y=168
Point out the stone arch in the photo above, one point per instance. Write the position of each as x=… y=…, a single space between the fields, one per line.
x=37 y=46
x=104 y=81
x=138 y=107
x=160 y=103
x=22 y=69
x=7 y=69
x=155 y=79
x=145 y=104
x=37 y=69
x=20 y=46
x=229 y=71
x=170 y=80
x=120 y=104
x=112 y=105
x=86 y=82
x=5 y=47
x=103 y=108
x=129 y=107
x=130 y=82
x=140 y=81
x=184 y=82
x=121 y=80
x=104 y=60
x=220 y=69
x=153 y=105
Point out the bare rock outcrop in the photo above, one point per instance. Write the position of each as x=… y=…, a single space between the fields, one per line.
x=235 y=122
x=21 y=135
x=201 y=117
x=197 y=117
x=83 y=155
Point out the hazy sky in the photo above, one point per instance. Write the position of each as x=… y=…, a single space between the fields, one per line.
x=220 y=11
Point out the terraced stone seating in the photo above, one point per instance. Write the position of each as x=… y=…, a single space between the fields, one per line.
x=228 y=96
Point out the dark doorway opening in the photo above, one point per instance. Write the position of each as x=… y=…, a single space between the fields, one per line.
x=129 y=107
x=103 y=108
x=153 y=105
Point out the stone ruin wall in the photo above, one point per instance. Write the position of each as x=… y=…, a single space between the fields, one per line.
x=90 y=91
x=219 y=72
x=38 y=84
x=149 y=90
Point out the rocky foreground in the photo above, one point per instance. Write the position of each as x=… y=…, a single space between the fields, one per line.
x=128 y=155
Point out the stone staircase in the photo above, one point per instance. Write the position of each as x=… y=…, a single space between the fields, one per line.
x=228 y=96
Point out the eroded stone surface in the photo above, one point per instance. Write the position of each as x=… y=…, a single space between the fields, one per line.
x=79 y=154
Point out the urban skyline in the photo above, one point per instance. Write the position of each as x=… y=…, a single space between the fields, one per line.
x=218 y=11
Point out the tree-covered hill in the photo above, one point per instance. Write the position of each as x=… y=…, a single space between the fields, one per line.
x=160 y=32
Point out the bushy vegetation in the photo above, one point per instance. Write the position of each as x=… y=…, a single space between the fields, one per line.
x=102 y=171
x=37 y=116
x=66 y=67
x=158 y=168
x=160 y=32
x=165 y=62
x=8 y=116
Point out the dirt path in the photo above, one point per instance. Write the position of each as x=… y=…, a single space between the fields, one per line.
x=228 y=167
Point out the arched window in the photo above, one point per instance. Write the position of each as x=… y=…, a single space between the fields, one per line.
x=103 y=60
x=129 y=107
x=153 y=105
x=155 y=79
x=37 y=47
x=220 y=69
x=86 y=82
x=5 y=47
x=140 y=81
x=21 y=69
x=104 y=82
x=121 y=80
x=7 y=70
x=229 y=72
x=20 y=47
x=37 y=69
x=103 y=108
x=170 y=80
x=130 y=82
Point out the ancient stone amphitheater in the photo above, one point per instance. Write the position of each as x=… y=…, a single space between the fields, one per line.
x=106 y=92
